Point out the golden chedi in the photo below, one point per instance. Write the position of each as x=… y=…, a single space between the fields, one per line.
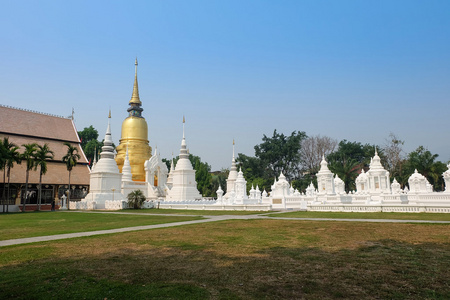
x=134 y=136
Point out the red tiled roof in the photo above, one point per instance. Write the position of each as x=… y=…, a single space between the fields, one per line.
x=24 y=127
x=22 y=122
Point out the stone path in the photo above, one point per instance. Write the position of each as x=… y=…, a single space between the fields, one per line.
x=205 y=220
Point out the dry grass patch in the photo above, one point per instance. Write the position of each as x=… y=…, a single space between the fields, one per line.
x=253 y=259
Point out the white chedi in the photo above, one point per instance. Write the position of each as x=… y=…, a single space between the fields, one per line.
x=105 y=178
x=219 y=193
x=339 y=185
x=446 y=176
x=395 y=187
x=418 y=183
x=255 y=194
x=281 y=188
x=325 y=180
x=232 y=176
x=378 y=177
x=169 y=181
x=362 y=183
x=240 y=188
x=310 y=190
x=184 y=187
x=126 y=169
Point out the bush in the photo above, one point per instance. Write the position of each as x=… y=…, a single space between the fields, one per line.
x=135 y=199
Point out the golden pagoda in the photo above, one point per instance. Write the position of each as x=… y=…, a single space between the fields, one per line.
x=134 y=136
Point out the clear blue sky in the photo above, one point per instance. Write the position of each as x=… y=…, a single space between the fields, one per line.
x=354 y=70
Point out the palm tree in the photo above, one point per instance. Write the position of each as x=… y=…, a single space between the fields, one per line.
x=136 y=198
x=43 y=154
x=70 y=159
x=12 y=156
x=28 y=155
x=347 y=171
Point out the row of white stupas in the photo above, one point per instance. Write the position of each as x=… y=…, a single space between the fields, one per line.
x=177 y=188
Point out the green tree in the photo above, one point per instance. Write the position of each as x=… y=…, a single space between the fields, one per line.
x=29 y=156
x=43 y=155
x=87 y=134
x=70 y=159
x=219 y=178
x=276 y=154
x=13 y=156
x=135 y=199
x=347 y=171
x=89 y=142
x=92 y=150
x=281 y=153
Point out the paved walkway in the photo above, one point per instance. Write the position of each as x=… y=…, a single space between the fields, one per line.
x=205 y=220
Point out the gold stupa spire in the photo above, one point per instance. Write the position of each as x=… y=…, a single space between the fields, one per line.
x=135 y=96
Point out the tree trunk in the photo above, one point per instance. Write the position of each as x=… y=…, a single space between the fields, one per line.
x=68 y=196
x=9 y=171
x=4 y=181
x=40 y=191
x=26 y=192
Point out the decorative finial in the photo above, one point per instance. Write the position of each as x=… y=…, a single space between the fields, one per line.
x=233 y=151
x=135 y=95
x=109 y=116
x=184 y=121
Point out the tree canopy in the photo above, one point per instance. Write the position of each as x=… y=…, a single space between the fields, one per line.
x=89 y=143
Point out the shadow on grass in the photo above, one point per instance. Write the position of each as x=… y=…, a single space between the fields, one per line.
x=383 y=269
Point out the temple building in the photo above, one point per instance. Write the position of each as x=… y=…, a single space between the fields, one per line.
x=134 y=136
x=25 y=127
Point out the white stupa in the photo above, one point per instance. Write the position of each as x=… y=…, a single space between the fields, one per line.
x=105 y=181
x=325 y=180
x=362 y=183
x=446 y=176
x=378 y=177
x=419 y=183
x=339 y=185
x=281 y=188
x=169 y=181
x=240 y=188
x=232 y=176
x=184 y=186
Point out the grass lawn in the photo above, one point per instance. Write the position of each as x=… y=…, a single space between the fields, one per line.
x=30 y=224
x=368 y=215
x=237 y=259
x=195 y=212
